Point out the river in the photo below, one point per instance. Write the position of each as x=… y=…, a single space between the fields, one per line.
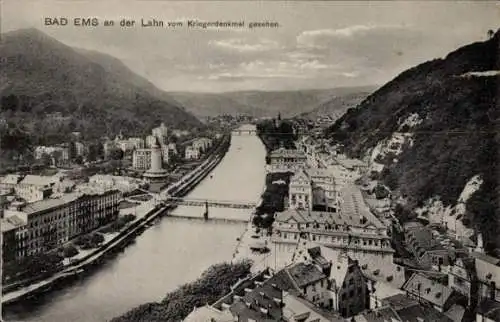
x=169 y=254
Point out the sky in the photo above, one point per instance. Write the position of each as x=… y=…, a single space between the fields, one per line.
x=316 y=45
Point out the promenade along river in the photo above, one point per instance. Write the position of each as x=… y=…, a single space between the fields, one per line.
x=169 y=254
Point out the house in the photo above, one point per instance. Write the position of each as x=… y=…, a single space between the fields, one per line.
x=462 y=277
x=488 y=275
x=428 y=291
x=347 y=292
x=488 y=311
x=192 y=153
x=300 y=191
x=262 y=297
x=402 y=309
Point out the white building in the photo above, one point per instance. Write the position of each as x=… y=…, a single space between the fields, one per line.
x=160 y=132
x=192 y=153
x=150 y=141
x=141 y=159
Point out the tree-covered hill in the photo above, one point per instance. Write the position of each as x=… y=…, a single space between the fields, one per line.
x=48 y=90
x=447 y=112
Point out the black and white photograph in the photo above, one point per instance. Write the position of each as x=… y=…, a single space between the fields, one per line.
x=249 y=161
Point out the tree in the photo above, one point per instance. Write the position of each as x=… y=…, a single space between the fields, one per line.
x=491 y=33
x=116 y=154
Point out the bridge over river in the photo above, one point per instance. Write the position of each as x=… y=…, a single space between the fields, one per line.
x=172 y=252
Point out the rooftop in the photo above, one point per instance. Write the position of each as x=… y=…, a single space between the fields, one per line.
x=428 y=289
x=305 y=274
x=287 y=153
x=39 y=180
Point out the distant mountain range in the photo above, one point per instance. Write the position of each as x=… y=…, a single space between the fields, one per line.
x=435 y=130
x=267 y=103
x=95 y=93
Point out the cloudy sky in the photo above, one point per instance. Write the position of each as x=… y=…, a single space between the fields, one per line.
x=317 y=44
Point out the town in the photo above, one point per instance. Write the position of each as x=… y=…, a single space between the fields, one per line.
x=322 y=163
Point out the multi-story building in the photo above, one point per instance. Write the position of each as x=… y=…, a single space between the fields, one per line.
x=488 y=275
x=108 y=182
x=141 y=159
x=13 y=228
x=80 y=149
x=192 y=153
x=346 y=284
x=313 y=188
x=300 y=195
x=283 y=160
x=353 y=228
x=52 y=222
x=202 y=144
x=266 y=298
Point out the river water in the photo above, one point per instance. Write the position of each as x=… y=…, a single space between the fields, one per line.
x=169 y=254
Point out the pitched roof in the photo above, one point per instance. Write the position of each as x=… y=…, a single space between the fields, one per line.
x=382 y=314
x=11 y=179
x=206 y=313
x=305 y=274
x=39 y=180
x=428 y=289
x=354 y=206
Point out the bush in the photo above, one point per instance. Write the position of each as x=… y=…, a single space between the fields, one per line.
x=70 y=251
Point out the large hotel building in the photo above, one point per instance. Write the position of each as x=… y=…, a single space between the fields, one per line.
x=43 y=225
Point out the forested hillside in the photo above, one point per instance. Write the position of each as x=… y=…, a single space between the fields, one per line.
x=445 y=113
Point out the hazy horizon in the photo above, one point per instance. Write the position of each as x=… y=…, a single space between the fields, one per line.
x=318 y=46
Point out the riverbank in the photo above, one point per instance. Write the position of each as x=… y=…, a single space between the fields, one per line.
x=149 y=212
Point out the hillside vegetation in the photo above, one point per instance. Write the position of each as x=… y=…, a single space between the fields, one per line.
x=454 y=135
x=48 y=90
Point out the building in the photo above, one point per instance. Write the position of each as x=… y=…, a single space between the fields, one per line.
x=347 y=291
x=488 y=311
x=400 y=308
x=283 y=160
x=429 y=247
x=161 y=132
x=141 y=159
x=354 y=228
x=313 y=188
x=52 y=222
x=262 y=298
x=12 y=228
x=430 y=292
x=80 y=149
x=192 y=153
x=462 y=277
x=300 y=191
x=488 y=275
x=107 y=182
x=202 y=144
x=150 y=141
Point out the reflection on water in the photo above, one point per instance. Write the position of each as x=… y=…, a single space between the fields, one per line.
x=169 y=254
